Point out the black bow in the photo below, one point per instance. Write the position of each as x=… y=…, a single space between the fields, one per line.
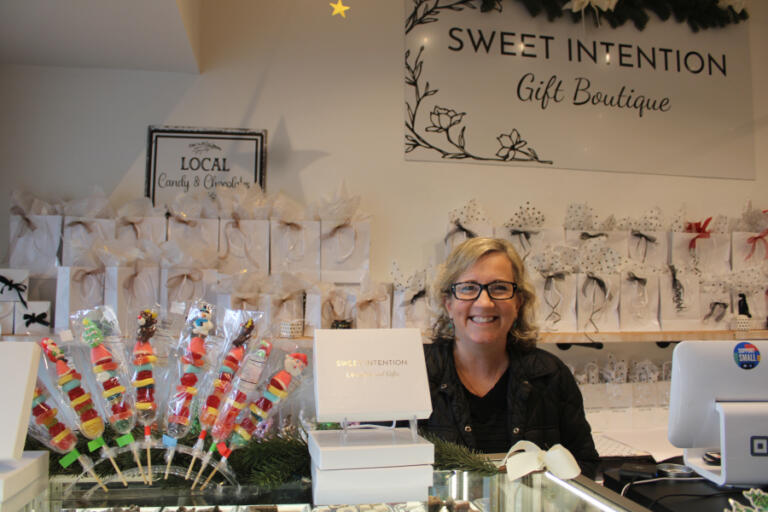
x=587 y=236
x=524 y=236
x=20 y=288
x=32 y=318
x=642 y=281
x=716 y=310
x=678 y=291
x=645 y=239
x=458 y=228
x=549 y=285
x=599 y=284
x=421 y=293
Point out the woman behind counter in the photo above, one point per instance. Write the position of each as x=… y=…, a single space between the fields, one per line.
x=490 y=385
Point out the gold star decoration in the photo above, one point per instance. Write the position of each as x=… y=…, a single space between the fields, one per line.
x=339 y=8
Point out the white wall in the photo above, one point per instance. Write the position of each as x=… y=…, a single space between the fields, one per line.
x=330 y=93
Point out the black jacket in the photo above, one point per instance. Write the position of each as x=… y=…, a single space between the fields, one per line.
x=544 y=403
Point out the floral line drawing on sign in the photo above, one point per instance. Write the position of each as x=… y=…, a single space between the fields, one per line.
x=425 y=11
x=447 y=121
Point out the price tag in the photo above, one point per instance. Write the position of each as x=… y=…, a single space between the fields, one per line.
x=169 y=441
x=69 y=458
x=66 y=336
x=95 y=444
x=125 y=440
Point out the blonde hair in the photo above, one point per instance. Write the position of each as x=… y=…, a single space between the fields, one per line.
x=524 y=331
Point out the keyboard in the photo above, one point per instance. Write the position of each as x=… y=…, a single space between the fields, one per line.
x=608 y=447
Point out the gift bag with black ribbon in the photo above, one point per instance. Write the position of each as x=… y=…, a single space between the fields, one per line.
x=648 y=241
x=715 y=296
x=526 y=231
x=373 y=306
x=345 y=239
x=466 y=222
x=639 y=300
x=294 y=240
x=749 y=298
x=702 y=245
x=244 y=231
x=680 y=303
x=35 y=235
x=598 y=287
x=410 y=305
x=581 y=227
x=552 y=273
x=139 y=220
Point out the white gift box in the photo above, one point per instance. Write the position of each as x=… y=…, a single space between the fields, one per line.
x=35 y=319
x=13 y=284
x=128 y=290
x=648 y=247
x=597 y=302
x=710 y=254
x=130 y=229
x=639 y=302
x=345 y=251
x=200 y=231
x=679 y=303
x=295 y=248
x=749 y=249
x=6 y=317
x=531 y=241
x=79 y=233
x=23 y=481
x=244 y=244
x=616 y=240
x=556 y=294
x=185 y=285
x=77 y=288
x=34 y=244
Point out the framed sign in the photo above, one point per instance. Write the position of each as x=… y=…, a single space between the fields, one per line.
x=183 y=159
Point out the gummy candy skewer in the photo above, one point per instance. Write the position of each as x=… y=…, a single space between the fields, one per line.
x=105 y=369
x=59 y=437
x=144 y=382
x=221 y=386
x=260 y=409
x=69 y=382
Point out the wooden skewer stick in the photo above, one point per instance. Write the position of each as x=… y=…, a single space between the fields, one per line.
x=189 y=469
x=149 y=466
x=117 y=470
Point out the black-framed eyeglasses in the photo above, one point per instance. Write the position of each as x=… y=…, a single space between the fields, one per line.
x=471 y=290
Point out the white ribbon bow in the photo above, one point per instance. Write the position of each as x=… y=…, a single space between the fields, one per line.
x=580 y=5
x=525 y=457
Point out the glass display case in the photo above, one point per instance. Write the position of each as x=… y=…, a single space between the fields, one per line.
x=451 y=491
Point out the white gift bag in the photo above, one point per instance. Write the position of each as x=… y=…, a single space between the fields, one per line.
x=34 y=244
x=715 y=313
x=754 y=303
x=615 y=240
x=373 y=308
x=154 y=229
x=244 y=245
x=749 y=249
x=295 y=248
x=556 y=304
x=679 y=303
x=287 y=314
x=345 y=250
x=410 y=309
x=79 y=233
x=14 y=284
x=35 y=319
x=128 y=290
x=77 y=288
x=531 y=241
x=184 y=285
x=199 y=231
x=469 y=221
x=597 y=302
x=639 y=302
x=648 y=247
x=707 y=252
x=6 y=317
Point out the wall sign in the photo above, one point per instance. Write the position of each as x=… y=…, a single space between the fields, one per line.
x=185 y=159
x=506 y=88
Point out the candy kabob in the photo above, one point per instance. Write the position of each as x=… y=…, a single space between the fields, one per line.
x=228 y=367
x=280 y=385
x=69 y=382
x=109 y=374
x=143 y=379
x=192 y=344
x=46 y=427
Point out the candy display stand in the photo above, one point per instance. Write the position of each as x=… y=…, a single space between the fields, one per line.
x=23 y=475
x=370 y=375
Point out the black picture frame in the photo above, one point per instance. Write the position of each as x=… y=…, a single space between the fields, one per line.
x=177 y=155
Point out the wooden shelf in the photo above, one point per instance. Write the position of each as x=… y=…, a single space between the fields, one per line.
x=664 y=336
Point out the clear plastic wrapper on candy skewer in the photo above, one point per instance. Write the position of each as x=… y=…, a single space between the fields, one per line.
x=46 y=426
x=99 y=330
x=279 y=386
x=70 y=383
x=194 y=345
x=238 y=327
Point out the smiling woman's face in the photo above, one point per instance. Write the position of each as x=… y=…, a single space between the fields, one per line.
x=484 y=320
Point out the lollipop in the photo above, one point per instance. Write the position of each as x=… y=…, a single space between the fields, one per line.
x=260 y=410
x=179 y=409
x=70 y=383
x=221 y=386
x=55 y=434
x=143 y=380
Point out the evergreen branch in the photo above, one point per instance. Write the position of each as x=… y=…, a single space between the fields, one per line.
x=451 y=456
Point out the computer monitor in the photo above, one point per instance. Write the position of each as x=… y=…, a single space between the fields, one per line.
x=719 y=403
